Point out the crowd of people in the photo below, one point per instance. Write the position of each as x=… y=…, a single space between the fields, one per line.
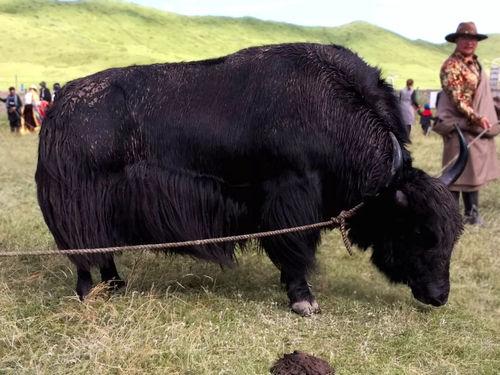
x=28 y=114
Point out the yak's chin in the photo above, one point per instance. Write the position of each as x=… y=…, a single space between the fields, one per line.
x=434 y=299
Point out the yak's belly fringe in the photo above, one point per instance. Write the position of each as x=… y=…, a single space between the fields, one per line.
x=145 y=204
x=155 y=205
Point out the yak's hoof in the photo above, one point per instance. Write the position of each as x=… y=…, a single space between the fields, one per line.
x=115 y=284
x=306 y=308
x=83 y=290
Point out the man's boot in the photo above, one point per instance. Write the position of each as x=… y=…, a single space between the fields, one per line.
x=471 y=203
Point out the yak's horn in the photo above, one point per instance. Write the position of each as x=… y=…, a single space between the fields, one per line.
x=397 y=159
x=397 y=155
x=451 y=174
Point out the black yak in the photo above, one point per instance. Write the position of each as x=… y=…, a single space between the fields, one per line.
x=266 y=138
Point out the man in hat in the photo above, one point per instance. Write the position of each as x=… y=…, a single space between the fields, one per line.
x=467 y=102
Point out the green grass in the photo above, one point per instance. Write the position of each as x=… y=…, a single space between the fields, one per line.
x=59 y=41
x=180 y=316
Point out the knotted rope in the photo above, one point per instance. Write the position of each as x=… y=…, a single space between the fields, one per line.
x=338 y=221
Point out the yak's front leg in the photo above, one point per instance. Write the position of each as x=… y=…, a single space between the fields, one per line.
x=291 y=201
x=302 y=301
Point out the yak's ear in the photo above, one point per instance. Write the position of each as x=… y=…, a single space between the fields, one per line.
x=401 y=199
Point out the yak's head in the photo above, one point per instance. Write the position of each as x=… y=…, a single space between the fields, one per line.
x=412 y=229
x=412 y=232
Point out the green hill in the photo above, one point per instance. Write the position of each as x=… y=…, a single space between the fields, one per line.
x=58 y=41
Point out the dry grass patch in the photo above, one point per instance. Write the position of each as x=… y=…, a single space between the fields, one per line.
x=180 y=316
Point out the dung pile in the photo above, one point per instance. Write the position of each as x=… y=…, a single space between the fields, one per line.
x=298 y=363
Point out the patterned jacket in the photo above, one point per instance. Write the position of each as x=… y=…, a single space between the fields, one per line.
x=459 y=79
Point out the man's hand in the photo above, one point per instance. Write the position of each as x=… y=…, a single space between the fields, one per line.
x=484 y=123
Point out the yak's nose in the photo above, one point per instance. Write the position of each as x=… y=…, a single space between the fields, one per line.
x=431 y=296
x=439 y=300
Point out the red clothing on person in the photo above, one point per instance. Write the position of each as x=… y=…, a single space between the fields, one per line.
x=426 y=113
x=42 y=108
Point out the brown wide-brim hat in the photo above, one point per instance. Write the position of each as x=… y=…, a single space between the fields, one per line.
x=467 y=29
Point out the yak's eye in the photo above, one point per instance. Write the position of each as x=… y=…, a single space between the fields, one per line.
x=425 y=237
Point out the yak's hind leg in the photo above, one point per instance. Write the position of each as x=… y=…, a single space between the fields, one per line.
x=109 y=275
x=79 y=214
x=83 y=282
x=82 y=150
x=291 y=201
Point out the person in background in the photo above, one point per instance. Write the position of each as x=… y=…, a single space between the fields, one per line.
x=467 y=102
x=45 y=92
x=426 y=118
x=55 y=90
x=13 y=105
x=30 y=113
x=45 y=101
x=408 y=103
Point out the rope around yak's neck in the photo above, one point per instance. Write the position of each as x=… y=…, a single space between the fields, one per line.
x=338 y=221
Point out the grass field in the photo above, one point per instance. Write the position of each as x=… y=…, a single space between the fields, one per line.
x=59 y=41
x=180 y=316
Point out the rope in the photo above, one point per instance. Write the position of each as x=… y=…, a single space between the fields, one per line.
x=338 y=221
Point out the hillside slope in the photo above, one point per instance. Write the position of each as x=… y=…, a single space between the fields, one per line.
x=58 y=41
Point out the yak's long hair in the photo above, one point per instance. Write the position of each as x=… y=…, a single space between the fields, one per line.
x=266 y=138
